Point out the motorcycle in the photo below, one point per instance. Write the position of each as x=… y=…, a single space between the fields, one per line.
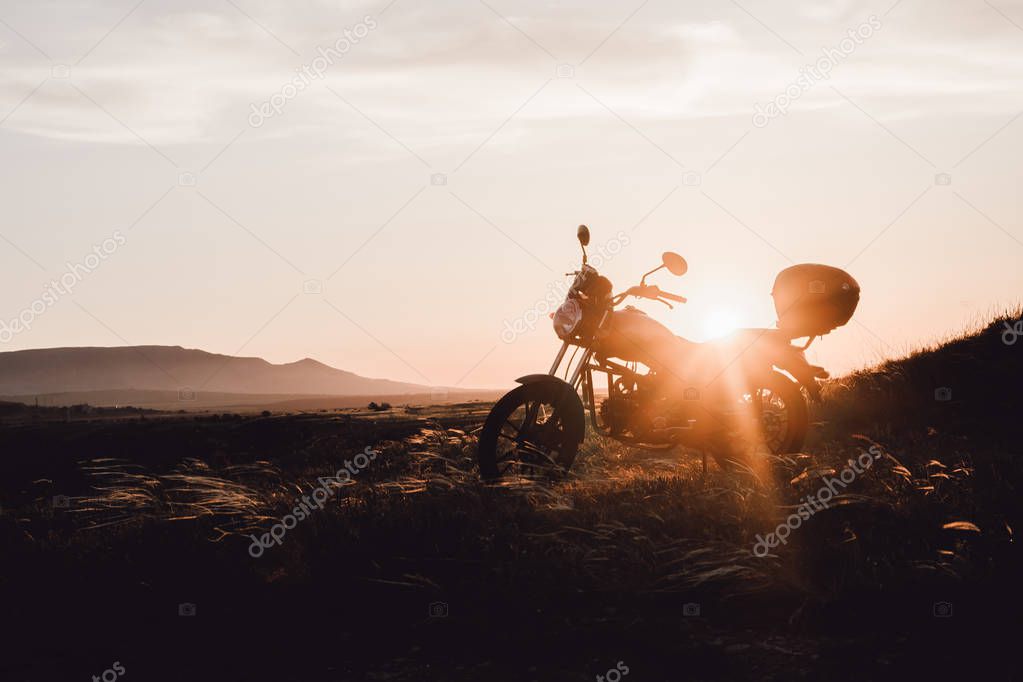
x=745 y=393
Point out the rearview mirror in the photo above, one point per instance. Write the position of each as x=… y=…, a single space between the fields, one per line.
x=583 y=233
x=675 y=263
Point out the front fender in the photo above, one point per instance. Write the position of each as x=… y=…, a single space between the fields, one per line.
x=568 y=393
x=536 y=378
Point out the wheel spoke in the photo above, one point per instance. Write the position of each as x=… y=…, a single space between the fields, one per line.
x=531 y=439
x=779 y=421
x=514 y=442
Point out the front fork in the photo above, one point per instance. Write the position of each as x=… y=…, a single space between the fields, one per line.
x=577 y=375
x=558 y=358
x=583 y=362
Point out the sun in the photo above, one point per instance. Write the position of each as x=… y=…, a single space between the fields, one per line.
x=719 y=323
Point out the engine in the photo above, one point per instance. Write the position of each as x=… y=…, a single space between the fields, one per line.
x=640 y=411
x=630 y=409
x=618 y=413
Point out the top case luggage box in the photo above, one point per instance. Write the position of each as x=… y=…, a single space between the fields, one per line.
x=812 y=300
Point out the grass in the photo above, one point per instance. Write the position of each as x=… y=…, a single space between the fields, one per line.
x=543 y=579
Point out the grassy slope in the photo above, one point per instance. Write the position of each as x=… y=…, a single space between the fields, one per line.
x=548 y=580
x=980 y=370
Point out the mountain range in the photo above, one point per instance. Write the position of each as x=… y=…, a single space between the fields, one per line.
x=119 y=374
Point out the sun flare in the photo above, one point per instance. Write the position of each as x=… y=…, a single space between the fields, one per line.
x=720 y=323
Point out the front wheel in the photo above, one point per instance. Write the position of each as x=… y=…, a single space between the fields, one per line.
x=534 y=429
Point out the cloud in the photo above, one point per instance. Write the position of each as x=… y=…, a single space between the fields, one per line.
x=448 y=72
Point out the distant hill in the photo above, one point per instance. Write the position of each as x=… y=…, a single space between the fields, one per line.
x=173 y=369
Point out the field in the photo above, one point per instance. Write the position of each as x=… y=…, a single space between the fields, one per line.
x=129 y=538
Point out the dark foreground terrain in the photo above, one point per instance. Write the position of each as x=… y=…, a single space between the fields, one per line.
x=130 y=541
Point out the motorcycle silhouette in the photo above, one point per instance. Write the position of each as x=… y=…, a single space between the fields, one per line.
x=731 y=397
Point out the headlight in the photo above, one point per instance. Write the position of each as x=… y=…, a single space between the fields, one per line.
x=567 y=318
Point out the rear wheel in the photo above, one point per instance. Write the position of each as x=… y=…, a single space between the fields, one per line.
x=776 y=420
x=781 y=413
x=533 y=430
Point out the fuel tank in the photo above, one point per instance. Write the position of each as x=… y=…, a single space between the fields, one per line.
x=633 y=336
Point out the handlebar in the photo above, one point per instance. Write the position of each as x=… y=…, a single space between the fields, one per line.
x=673 y=297
x=651 y=291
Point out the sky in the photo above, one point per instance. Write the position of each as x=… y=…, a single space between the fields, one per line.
x=387 y=186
